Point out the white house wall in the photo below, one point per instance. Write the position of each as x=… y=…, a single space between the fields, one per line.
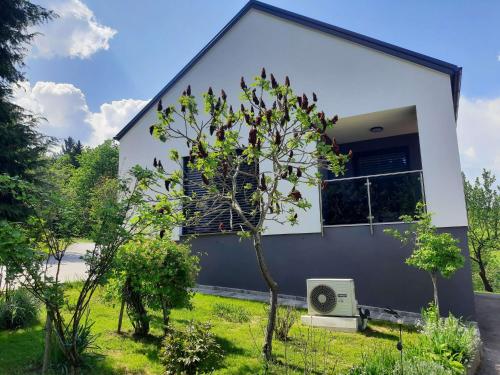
x=349 y=79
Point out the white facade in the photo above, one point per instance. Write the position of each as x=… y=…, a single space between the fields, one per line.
x=349 y=80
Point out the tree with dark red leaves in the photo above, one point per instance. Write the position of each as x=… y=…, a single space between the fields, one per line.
x=277 y=150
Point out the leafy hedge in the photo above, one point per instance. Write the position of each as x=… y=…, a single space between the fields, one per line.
x=20 y=310
x=445 y=347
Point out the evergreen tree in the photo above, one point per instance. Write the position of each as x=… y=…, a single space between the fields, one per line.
x=73 y=150
x=22 y=147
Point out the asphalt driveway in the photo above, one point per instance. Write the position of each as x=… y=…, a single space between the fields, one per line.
x=488 y=318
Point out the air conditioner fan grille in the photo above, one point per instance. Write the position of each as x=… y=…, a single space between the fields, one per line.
x=323 y=299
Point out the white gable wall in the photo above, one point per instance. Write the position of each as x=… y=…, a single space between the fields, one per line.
x=349 y=79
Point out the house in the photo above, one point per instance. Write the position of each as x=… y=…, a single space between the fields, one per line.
x=398 y=113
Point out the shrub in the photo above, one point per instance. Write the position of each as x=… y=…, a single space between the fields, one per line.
x=193 y=350
x=19 y=310
x=286 y=316
x=153 y=273
x=85 y=346
x=383 y=362
x=231 y=313
x=420 y=366
x=387 y=363
x=448 y=341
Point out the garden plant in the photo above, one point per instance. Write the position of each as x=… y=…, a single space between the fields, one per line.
x=435 y=253
x=483 y=212
x=153 y=273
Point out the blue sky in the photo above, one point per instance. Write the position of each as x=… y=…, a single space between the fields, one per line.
x=105 y=58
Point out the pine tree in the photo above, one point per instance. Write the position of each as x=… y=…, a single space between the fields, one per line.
x=22 y=147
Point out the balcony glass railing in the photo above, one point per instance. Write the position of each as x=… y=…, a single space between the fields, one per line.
x=371 y=199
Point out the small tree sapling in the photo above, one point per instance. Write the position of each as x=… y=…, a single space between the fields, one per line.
x=436 y=253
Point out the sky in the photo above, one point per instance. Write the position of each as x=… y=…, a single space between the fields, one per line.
x=95 y=66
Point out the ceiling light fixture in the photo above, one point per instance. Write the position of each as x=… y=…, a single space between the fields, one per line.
x=376 y=129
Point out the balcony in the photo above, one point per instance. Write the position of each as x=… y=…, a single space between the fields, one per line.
x=373 y=199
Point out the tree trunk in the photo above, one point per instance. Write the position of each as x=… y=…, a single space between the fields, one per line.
x=46 y=352
x=120 y=317
x=166 y=316
x=135 y=307
x=484 y=279
x=267 y=349
x=74 y=370
x=7 y=284
x=434 y=284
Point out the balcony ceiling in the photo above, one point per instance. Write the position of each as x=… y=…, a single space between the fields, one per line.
x=395 y=121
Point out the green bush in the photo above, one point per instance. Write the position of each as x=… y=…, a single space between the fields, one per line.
x=153 y=273
x=383 y=362
x=420 y=366
x=448 y=341
x=231 y=313
x=388 y=363
x=445 y=347
x=286 y=316
x=85 y=346
x=191 y=351
x=20 y=310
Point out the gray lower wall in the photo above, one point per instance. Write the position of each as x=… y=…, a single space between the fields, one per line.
x=376 y=263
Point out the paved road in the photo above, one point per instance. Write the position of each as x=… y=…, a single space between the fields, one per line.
x=73 y=266
x=488 y=317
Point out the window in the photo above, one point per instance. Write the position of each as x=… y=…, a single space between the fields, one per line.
x=214 y=217
x=382 y=161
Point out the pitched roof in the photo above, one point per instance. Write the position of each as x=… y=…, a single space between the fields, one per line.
x=454 y=71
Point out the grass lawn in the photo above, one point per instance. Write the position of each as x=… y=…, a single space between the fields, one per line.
x=21 y=351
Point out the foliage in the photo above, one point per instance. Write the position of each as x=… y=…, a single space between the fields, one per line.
x=447 y=341
x=18 y=16
x=19 y=310
x=436 y=253
x=421 y=366
x=252 y=162
x=387 y=363
x=22 y=147
x=14 y=249
x=48 y=233
x=483 y=212
x=92 y=166
x=22 y=154
x=72 y=149
x=193 y=350
x=157 y=273
x=286 y=316
x=85 y=346
x=382 y=362
x=231 y=312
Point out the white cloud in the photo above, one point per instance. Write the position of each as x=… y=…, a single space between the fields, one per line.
x=112 y=117
x=75 y=33
x=479 y=135
x=66 y=112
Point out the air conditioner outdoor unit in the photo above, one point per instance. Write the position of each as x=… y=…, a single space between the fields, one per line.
x=331 y=297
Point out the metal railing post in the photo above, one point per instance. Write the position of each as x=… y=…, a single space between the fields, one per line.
x=370 y=217
x=422 y=187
